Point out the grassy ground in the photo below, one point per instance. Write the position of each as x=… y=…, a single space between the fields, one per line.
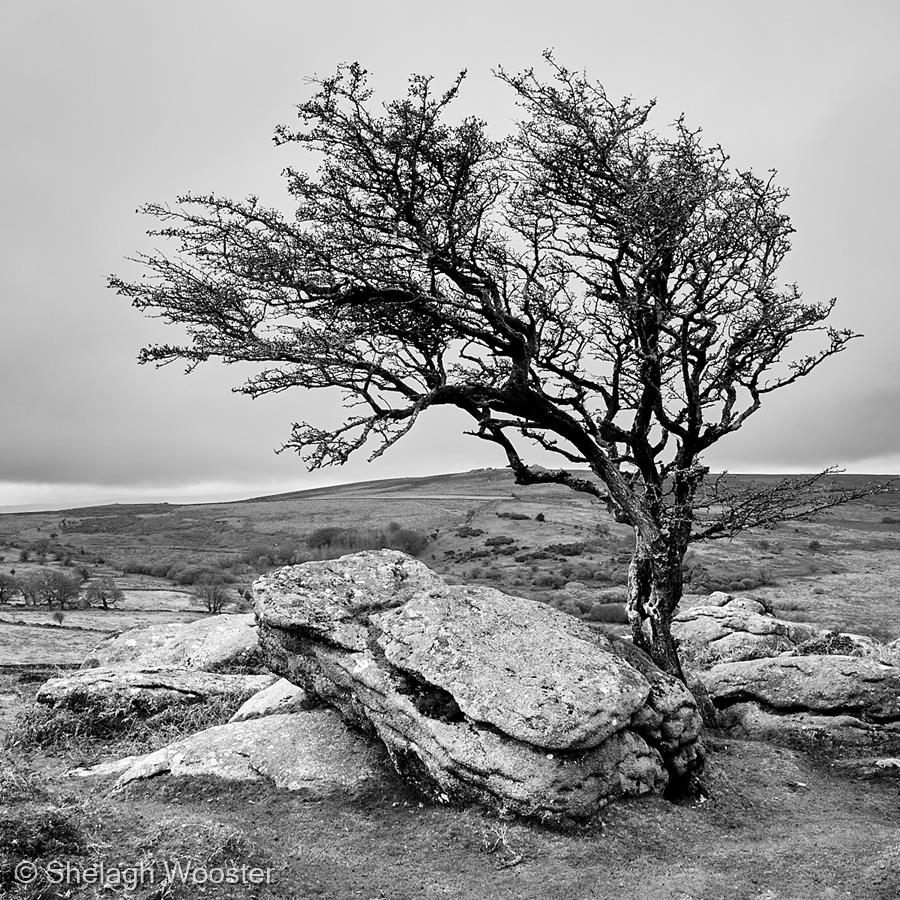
x=776 y=825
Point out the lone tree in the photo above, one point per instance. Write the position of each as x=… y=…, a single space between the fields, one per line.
x=103 y=591
x=587 y=288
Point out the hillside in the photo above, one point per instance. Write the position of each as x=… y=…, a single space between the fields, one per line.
x=543 y=542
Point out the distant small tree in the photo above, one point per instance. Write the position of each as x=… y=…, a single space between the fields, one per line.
x=213 y=595
x=31 y=586
x=9 y=587
x=588 y=288
x=58 y=588
x=103 y=591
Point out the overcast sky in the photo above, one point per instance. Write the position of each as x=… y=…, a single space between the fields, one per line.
x=107 y=105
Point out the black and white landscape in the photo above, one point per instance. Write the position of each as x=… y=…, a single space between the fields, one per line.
x=576 y=573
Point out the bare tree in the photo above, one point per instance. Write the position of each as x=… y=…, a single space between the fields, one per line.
x=9 y=587
x=49 y=586
x=103 y=591
x=587 y=288
x=213 y=594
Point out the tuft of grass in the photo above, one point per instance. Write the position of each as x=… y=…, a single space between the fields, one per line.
x=118 y=733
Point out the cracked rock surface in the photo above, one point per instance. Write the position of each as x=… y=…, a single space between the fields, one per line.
x=477 y=695
x=106 y=692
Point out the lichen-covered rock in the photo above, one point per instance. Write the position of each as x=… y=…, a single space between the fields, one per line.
x=108 y=693
x=477 y=695
x=829 y=733
x=730 y=629
x=830 y=685
x=542 y=678
x=330 y=600
x=814 y=701
x=276 y=699
x=312 y=752
x=218 y=643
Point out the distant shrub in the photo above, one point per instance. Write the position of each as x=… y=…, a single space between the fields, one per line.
x=540 y=517
x=611 y=613
x=551 y=581
x=499 y=540
x=531 y=555
x=815 y=546
x=337 y=541
x=468 y=532
x=519 y=517
x=572 y=549
x=890 y=520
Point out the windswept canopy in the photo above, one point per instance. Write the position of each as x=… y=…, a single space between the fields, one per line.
x=589 y=286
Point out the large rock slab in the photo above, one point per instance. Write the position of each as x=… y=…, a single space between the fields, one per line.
x=311 y=752
x=833 y=734
x=111 y=692
x=477 y=695
x=730 y=629
x=277 y=699
x=218 y=643
x=541 y=678
x=829 y=685
x=815 y=701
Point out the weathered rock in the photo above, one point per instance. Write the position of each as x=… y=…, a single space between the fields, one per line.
x=475 y=694
x=313 y=752
x=543 y=679
x=829 y=734
x=218 y=643
x=277 y=699
x=830 y=685
x=112 y=692
x=330 y=600
x=730 y=629
x=812 y=701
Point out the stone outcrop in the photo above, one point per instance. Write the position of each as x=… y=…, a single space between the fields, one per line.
x=226 y=642
x=311 y=752
x=108 y=693
x=822 y=701
x=280 y=697
x=791 y=683
x=730 y=629
x=477 y=695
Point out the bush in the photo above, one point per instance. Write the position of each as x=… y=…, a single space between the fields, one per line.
x=611 y=613
x=540 y=517
x=551 y=581
x=815 y=546
x=513 y=515
x=573 y=549
x=499 y=540
x=336 y=541
x=890 y=520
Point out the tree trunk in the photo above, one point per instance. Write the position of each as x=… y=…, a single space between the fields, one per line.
x=654 y=590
